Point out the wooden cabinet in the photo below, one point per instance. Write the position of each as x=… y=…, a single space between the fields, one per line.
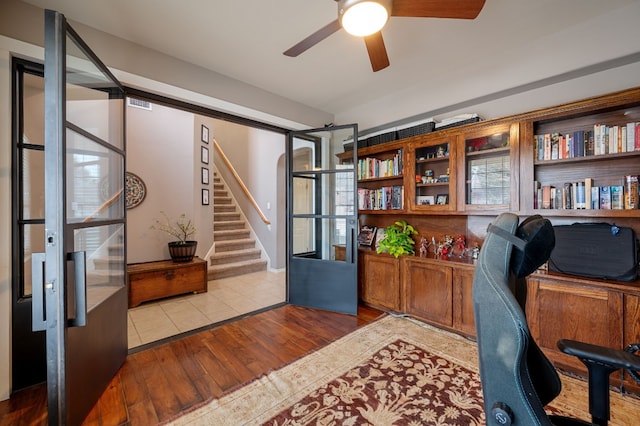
x=380 y=281
x=156 y=280
x=559 y=308
x=439 y=292
x=427 y=291
x=463 y=319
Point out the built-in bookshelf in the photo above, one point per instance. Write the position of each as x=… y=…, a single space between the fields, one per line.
x=588 y=163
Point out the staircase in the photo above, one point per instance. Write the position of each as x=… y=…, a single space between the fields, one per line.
x=235 y=251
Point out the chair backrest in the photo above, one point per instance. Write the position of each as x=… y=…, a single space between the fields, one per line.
x=514 y=371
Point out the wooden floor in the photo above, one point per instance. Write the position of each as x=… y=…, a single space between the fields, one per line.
x=156 y=384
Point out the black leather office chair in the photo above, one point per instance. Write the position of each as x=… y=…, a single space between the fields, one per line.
x=518 y=381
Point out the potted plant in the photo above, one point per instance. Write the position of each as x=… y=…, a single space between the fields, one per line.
x=398 y=239
x=182 y=228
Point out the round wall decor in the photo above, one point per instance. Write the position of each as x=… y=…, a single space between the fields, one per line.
x=135 y=190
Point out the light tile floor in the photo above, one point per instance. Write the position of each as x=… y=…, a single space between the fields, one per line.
x=226 y=298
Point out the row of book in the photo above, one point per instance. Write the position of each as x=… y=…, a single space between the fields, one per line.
x=601 y=140
x=373 y=168
x=585 y=195
x=385 y=198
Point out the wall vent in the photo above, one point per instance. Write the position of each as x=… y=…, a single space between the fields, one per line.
x=139 y=103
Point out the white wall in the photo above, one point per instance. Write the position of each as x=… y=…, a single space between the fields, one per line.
x=163 y=149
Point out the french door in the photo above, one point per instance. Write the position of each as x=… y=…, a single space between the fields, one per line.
x=323 y=220
x=79 y=282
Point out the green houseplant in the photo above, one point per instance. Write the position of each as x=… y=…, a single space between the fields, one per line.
x=398 y=239
x=181 y=228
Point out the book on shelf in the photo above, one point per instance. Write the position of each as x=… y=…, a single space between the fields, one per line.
x=580 y=199
x=595 y=197
x=605 y=198
x=567 y=200
x=371 y=167
x=601 y=140
x=546 y=196
x=385 y=198
x=588 y=193
x=617 y=197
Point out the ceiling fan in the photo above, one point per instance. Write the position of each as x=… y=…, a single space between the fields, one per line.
x=376 y=13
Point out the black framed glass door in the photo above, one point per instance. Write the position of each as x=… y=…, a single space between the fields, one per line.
x=323 y=220
x=79 y=282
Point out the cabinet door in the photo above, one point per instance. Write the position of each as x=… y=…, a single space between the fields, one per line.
x=427 y=291
x=381 y=281
x=463 y=301
x=431 y=186
x=558 y=310
x=488 y=172
x=631 y=332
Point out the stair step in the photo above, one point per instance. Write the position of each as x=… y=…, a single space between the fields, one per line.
x=237 y=268
x=218 y=208
x=217 y=186
x=229 y=225
x=220 y=193
x=231 y=234
x=225 y=216
x=221 y=200
x=232 y=256
x=232 y=245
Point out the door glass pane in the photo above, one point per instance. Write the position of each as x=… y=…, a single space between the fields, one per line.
x=319 y=150
x=32 y=184
x=94 y=180
x=323 y=193
x=33 y=242
x=94 y=101
x=104 y=247
x=316 y=237
x=33 y=109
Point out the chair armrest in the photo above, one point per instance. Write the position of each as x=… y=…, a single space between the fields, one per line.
x=594 y=353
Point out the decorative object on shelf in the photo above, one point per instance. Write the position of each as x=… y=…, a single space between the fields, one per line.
x=424 y=247
x=442 y=199
x=182 y=228
x=367 y=235
x=398 y=239
x=136 y=190
x=459 y=245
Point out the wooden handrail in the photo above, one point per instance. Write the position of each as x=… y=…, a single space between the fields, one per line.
x=240 y=182
x=104 y=206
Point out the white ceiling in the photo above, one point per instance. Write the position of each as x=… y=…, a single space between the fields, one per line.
x=511 y=43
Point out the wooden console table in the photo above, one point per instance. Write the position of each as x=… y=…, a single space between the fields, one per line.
x=156 y=280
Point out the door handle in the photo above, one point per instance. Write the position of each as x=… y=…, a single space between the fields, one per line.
x=80 y=279
x=38 y=322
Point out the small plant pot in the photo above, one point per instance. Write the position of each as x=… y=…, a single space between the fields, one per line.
x=182 y=251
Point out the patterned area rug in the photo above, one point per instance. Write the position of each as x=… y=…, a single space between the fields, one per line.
x=400 y=384
x=395 y=371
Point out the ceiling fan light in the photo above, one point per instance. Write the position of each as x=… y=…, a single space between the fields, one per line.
x=362 y=18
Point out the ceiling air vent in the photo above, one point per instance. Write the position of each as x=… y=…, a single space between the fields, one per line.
x=139 y=103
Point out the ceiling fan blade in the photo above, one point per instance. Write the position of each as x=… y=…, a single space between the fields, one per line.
x=377 y=51
x=460 y=9
x=313 y=39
